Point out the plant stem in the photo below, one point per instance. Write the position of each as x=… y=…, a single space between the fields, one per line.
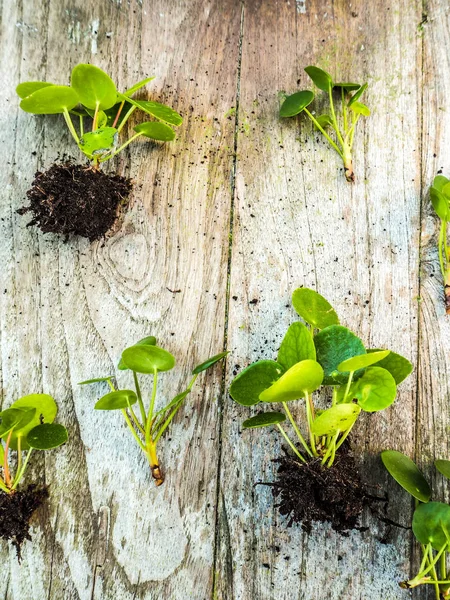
x=310 y=418
x=153 y=398
x=348 y=163
x=136 y=135
x=125 y=119
x=139 y=396
x=333 y=449
x=118 y=113
x=19 y=454
x=286 y=437
x=349 y=383
x=94 y=122
x=5 y=462
x=132 y=429
x=154 y=463
x=3 y=487
x=324 y=133
x=296 y=429
x=333 y=116
x=344 y=109
x=81 y=126
x=136 y=420
x=344 y=437
x=20 y=475
x=167 y=422
x=70 y=126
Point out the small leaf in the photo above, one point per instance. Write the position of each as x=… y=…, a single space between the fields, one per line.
x=334 y=345
x=398 y=366
x=94 y=87
x=301 y=379
x=99 y=142
x=297 y=345
x=209 y=363
x=443 y=466
x=50 y=100
x=264 y=420
x=429 y=522
x=137 y=86
x=47 y=436
x=337 y=418
x=29 y=87
x=375 y=390
x=348 y=87
x=440 y=204
x=406 y=474
x=321 y=78
x=45 y=412
x=313 y=308
x=296 y=103
x=360 y=109
x=160 y=111
x=150 y=340
x=247 y=386
x=362 y=361
x=116 y=400
x=147 y=359
x=358 y=94
x=96 y=380
x=440 y=182
x=324 y=121
x=15 y=418
x=156 y=131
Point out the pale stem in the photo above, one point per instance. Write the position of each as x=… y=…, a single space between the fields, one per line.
x=125 y=119
x=349 y=383
x=139 y=395
x=136 y=135
x=132 y=429
x=324 y=133
x=294 y=449
x=442 y=246
x=94 y=122
x=118 y=113
x=333 y=116
x=296 y=429
x=20 y=475
x=344 y=109
x=70 y=126
x=81 y=126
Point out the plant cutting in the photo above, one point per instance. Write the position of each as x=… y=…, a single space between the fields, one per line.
x=318 y=479
x=25 y=426
x=430 y=524
x=81 y=200
x=440 y=199
x=147 y=427
x=343 y=124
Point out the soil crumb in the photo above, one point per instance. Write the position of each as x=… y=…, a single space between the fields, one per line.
x=75 y=199
x=16 y=511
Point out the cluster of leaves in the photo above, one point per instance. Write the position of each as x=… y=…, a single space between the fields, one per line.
x=320 y=353
x=26 y=426
x=351 y=111
x=145 y=357
x=431 y=521
x=440 y=198
x=93 y=95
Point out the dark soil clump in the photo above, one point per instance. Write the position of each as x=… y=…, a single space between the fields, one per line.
x=16 y=511
x=310 y=492
x=74 y=199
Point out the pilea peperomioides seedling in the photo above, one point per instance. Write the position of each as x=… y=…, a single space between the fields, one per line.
x=95 y=113
x=319 y=354
x=25 y=426
x=440 y=198
x=430 y=524
x=146 y=358
x=343 y=125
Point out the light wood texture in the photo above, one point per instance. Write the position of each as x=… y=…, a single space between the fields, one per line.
x=241 y=208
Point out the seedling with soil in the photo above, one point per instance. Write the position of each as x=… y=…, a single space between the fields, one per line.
x=430 y=524
x=342 y=125
x=27 y=425
x=147 y=429
x=319 y=480
x=71 y=198
x=440 y=198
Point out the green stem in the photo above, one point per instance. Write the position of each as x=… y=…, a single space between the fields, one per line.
x=334 y=400
x=22 y=471
x=310 y=419
x=139 y=396
x=333 y=449
x=132 y=429
x=118 y=113
x=125 y=119
x=167 y=422
x=81 y=126
x=352 y=130
x=136 y=135
x=148 y=425
x=111 y=385
x=324 y=133
x=344 y=109
x=136 y=420
x=333 y=116
x=349 y=383
x=286 y=437
x=296 y=429
x=344 y=437
x=70 y=126
x=442 y=246
x=19 y=454
x=3 y=487
x=94 y=122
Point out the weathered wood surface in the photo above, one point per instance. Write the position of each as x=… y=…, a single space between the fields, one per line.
x=243 y=195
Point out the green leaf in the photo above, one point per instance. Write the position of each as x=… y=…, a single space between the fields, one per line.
x=313 y=308
x=247 y=386
x=116 y=400
x=324 y=121
x=440 y=182
x=334 y=345
x=443 y=466
x=209 y=363
x=147 y=359
x=429 y=522
x=297 y=345
x=321 y=78
x=14 y=418
x=348 y=87
x=296 y=103
x=362 y=361
x=137 y=86
x=446 y=191
x=358 y=94
x=46 y=410
x=264 y=420
x=360 y=109
x=94 y=87
x=301 y=379
x=150 y=340
x=406 y=474
x=160 y=111
x=398 y=366
x=50 y=100
x=440 y=204
x=156 y=131
x=337 y=418
x=96 y=380
x=29 y=87
x=99 y=142
x=375 y=390
x=47 y=436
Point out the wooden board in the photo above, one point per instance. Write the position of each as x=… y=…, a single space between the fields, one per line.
x=236 y=213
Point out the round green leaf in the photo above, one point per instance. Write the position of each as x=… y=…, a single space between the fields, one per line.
x=443 y=466
x=440 y=204
x=439 y=182
x=334 y=345
x=313 y=308
x=29 y=87
x=375 y=390
x=45 y=412
x=406 y=474
x=348 y=87
x=360 y=109
x=209 y=363
x=321 y=78
x=147 y=359
x=50 y=100
x=297 y=345
x=156 y=131
x=324 y=121
x=247 y=386
x=398 y=366
x=150 y=340
x=294 y=104
x=116 y=400
x=15 y=418
x=94 y=87
x=96 y=380
x=337 y=418
x=137 y=86
x=160 y=111
x=429 y=522
x=301 y=379
x=362 y=361
x=358 y=94
x=47 y=436
x=99 y=142
x=264 y=420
